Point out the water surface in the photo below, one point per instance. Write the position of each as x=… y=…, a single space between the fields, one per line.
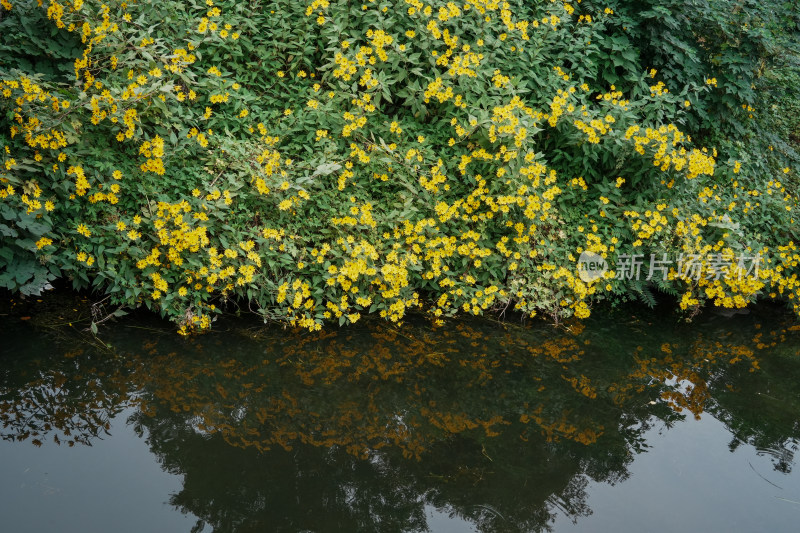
x=621 y=423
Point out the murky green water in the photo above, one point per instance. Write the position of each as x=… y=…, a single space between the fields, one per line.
x=626 y=424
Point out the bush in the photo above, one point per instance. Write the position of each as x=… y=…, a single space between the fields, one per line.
x=324 y=160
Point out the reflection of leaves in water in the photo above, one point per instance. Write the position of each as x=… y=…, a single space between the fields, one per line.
x=380 y=390
x=719 y=371
x=70 y=400
x=317 y=489
x=362 y=428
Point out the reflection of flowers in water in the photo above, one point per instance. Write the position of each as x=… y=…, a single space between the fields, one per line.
x=379 y=387
x=324 y=390
x=683 y=378
x=519 y=416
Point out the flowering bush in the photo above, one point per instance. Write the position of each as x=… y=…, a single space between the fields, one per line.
x=324 y=160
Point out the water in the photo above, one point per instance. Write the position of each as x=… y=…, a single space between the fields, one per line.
x=621 y=424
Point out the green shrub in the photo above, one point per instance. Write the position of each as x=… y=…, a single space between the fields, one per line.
x=324 y=160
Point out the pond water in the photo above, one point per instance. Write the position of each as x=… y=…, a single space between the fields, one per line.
x=617 y=424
